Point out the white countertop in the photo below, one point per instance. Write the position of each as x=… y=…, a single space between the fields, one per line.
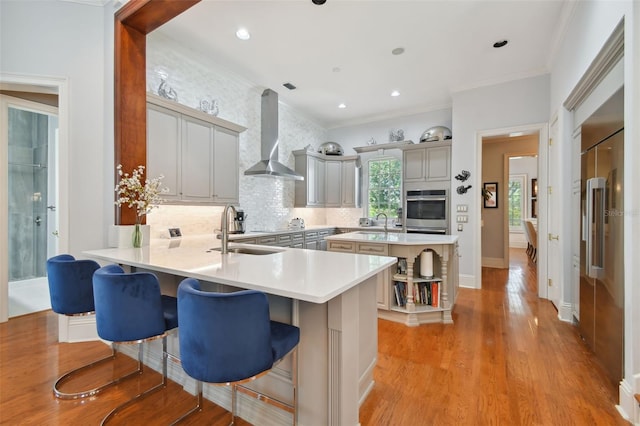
x=394 y=238
x=308 y=275
x=254 y=234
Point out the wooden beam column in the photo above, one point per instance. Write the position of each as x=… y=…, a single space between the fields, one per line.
x=132 y=24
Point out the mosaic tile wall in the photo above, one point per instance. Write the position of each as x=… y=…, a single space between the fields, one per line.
x=267 y=202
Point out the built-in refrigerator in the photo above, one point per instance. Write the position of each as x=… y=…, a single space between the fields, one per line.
x=601 y=321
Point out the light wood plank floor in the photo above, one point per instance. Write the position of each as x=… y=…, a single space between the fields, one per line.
x=506 y=360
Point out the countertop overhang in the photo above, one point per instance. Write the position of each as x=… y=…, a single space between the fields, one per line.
x=307 y=275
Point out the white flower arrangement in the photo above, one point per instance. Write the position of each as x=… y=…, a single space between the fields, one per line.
x=142 y=198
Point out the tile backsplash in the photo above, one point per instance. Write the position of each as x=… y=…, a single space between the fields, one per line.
x=268 y=202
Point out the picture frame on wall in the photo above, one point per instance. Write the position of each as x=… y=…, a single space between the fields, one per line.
x=490 y=192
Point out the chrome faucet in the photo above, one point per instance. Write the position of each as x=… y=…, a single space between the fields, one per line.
x=224 y=227
x=385 y=219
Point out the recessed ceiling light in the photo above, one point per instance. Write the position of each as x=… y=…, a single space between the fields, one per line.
x=398 y=51
x=515 y=134
x=243 y=34
x=342 y=106
x=395 y=93
x=501 y=43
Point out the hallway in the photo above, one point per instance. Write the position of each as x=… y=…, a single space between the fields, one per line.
x=506 y=360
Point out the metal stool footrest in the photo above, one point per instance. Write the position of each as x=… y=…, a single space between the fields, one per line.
x=86 y=393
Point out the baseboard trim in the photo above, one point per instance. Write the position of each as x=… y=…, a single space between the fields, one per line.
x=366 y=382
x=77 y=329
x=493 y=262
x=467 y=281
x=565 y=312
x=627 y=406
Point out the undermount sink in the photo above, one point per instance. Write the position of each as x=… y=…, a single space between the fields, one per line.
x=247 y=250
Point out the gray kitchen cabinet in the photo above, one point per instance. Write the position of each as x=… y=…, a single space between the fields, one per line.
x=163 y=154
x=333 y=182
x=310 y=191
x=311 y=240
x=329 y=180
x=350 y=184
x=197 y=153
x=427 y=162
x=197 y=160
x=382 y=280
x=226 y=160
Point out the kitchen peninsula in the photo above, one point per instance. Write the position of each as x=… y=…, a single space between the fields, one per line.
x=330 y=296
x=406 y=295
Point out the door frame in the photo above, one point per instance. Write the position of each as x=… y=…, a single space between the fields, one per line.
x=30 y=83
x=543 y=137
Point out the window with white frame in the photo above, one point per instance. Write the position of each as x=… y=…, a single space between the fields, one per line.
x=384 y=186
x=517 y=202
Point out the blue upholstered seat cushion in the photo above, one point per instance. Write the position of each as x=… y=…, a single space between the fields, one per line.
x=129 y=307
x=70 y=284
x=284 y=338
x=170 y=310
x=228 y=337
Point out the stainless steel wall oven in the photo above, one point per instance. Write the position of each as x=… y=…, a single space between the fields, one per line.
x=427 y=211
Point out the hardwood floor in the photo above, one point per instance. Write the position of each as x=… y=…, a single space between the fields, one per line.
x=506 y=360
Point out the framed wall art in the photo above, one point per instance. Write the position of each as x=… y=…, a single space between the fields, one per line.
x=490 y=192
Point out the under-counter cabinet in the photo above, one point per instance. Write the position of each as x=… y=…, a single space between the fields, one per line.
x=197 y=153
x=427 y=162
x=411 y=310
x=382 y=280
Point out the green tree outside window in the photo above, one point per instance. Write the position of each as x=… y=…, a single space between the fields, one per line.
x=385 y=179
x=516 y=202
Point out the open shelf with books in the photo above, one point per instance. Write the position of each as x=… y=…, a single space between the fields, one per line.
x=425 y=293
x=423 y=285
x=420 y=290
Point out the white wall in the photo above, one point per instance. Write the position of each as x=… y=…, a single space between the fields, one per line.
x=195 y=76
x=590 y=25
x=511 y=104
x=67 y=40
x=413 y=126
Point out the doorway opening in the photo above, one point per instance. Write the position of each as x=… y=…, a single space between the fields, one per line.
x=49 y=96
x=522 y=207
x=31 y=138
x=510 y=164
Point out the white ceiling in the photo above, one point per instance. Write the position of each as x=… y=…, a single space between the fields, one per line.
x=448 y=48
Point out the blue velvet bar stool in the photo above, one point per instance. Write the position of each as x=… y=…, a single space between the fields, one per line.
x=131 y=309
x=238 y=344
x=71 y=292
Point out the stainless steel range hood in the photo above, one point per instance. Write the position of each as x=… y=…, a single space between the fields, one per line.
x=269 y=164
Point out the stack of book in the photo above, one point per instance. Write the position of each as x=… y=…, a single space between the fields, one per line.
x=425 y=293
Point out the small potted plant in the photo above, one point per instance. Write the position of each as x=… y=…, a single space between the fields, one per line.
x=141 y=197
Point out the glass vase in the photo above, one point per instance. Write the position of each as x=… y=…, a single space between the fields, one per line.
x=136 y=237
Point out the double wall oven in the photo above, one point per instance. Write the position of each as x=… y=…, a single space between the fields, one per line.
x=426 y=211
